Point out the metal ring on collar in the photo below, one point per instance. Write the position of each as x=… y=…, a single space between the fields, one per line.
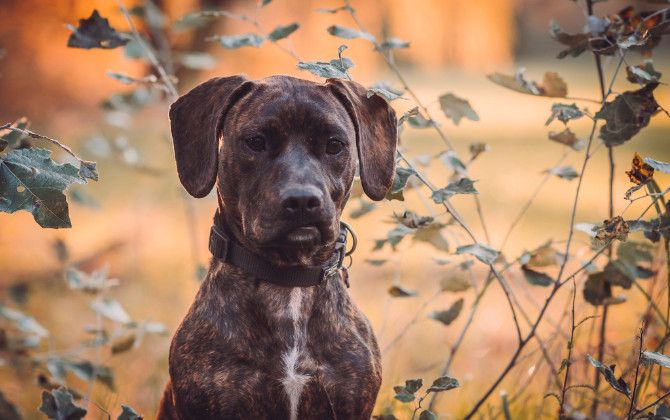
x=354 y=239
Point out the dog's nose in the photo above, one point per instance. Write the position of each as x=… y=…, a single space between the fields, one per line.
x=306 y=200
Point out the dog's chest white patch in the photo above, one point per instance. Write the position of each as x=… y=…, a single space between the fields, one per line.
x=293 y=381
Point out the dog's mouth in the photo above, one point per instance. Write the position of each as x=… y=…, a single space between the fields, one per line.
x=303 y=235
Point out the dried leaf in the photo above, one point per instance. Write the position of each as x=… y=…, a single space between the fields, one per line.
x=650 y=357
x=596 y=289
x=658 y=165
x=238 y=41
x=536 y=278
x=348 y=33
x=563 y=172
x=552 y=85
x=462 y=186
x=111 y=309
x=392 y=44
x=444 y=383
x=336 y=68
x=58 y=405
x=568 y=138
x=564 y=113
x=412 y=220
x=400 y=291
x=95 y=32
x=402 y=175
x=610 y=229
x=577 y=43
x=608 y=373
x=641 y=172
x=127 y=412
x=477 y=149
x=643 y=73
x=448 y=316
x=483 y=253
x=457 y=108
x=627 y=114
x=454 y=283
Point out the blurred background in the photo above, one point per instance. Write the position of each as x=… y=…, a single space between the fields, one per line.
x=135 y=221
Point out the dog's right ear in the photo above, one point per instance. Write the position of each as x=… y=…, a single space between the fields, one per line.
x=196 y=120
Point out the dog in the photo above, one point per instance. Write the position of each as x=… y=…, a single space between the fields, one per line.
x=273 y=333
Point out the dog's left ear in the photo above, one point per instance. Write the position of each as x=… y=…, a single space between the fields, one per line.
x=196 y=120
x=376 y=135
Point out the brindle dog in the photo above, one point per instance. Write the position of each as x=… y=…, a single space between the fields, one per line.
x=282 y=152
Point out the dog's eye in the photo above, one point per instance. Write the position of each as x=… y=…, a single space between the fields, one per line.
x=257 y=144
x=334 y=146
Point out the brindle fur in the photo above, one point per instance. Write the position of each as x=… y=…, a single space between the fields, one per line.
x=246 y=344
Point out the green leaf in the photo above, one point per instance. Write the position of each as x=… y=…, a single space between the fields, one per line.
x=457 y=108
x=658 y=165
x=402 y=175
x=128 y=413
x=608 y=373
x=568 y=138
x=444 y=383
x=349 y=33
x=95 y=32
x=283 y=31
x=265 y=2
x=483 y=253
x=448 y=316
x=111 y=309
x=400 y=291
x=552 y=86
x=392 y=43
x=238 y=41
x=627 y=114
x=30 y=180
x=59 y=405
x=536 y=278
x=23 y=322
x=564 y=113
x=462 y=186
x=427 y=415
x=563 y=172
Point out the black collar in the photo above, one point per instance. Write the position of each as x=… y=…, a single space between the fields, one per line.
x=229 y=250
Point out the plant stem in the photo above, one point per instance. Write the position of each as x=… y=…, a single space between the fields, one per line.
x=566 y=379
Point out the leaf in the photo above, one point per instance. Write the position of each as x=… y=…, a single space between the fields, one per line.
x=477 y=149
x=127 y=412
x=536 y=278
x=265 y=2
x=444 y=383
x=650 y=357
x=402 y=175
x=483 y=253
x=627 y=114
x=334 y=10
x=615 y=275
x=462 y=186
x=384 y=93
x=412 y=220
x=336 y=68
x=11 y=138
x=405 y=393
x=58 y=405
x=23 y=322
x=88 y=170
x=454 y=283
x=563 y=172
x=8 y=410
x=111 y=309
x=196 y=60
x=658 y=165
x=85 y=370
x=375 y=263
x=564 y=113
x=568 y=138
x=608 y=373
x=596 y=289
x=448 y=316
x=238 y=41
x=552 y=86
x=30 y=180
x=640 y=172
x=577 y=43
x=611 y=229
x=124 y=343
x=94 y=283
x=95 y=32
x=432 y=234
x=392 y=43
x=453 y=162
x=364 y=208
x=349 y=33
x=282 y=31
x=400 y=291
x=427 y=415
x=457 y=108
x=643 y=73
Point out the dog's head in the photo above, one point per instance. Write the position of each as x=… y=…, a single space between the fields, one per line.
x=283 y=152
